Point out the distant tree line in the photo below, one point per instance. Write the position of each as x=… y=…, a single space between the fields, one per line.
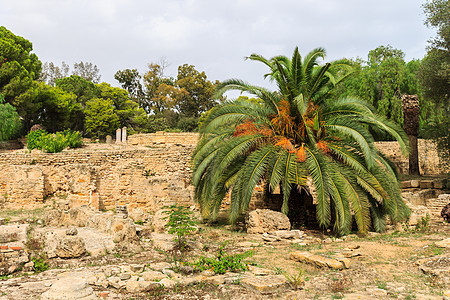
x=52 y=96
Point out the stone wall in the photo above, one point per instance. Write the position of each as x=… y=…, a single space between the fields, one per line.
x=153 y=171
x=149 y=178
x=178 y=138
x=428 y=155
x=429 y=163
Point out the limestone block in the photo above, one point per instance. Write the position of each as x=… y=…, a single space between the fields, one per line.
x=415 y=183
x=288 y=234
x=159 y=221
x=406 y=184
x=318 y=260
x=70 y=247
x=266 y=284
x=153 y=275
x=266 y=220
x=426 y=184
x=167 y=283
x=69 y=288
x=444 y=243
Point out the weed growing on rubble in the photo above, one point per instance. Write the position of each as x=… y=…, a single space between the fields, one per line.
x=40 y=263
x=180 y=223
x=223 y=262
x=295 y=280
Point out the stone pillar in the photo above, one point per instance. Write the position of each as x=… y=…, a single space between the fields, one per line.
x=410 y=104
x=118 y=136
x=124 y=135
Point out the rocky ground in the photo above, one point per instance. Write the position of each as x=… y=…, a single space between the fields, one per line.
x=84 y=254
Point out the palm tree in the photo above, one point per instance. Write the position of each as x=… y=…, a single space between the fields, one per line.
x=294 y=134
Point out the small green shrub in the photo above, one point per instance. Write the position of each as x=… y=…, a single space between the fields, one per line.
x=34 y=139
x=295 y=280
x=423 y=225
x=56 y=142
x=53 y=143
x=180 y=223
x=223 y=262
x=40 y=263
x=74 y=138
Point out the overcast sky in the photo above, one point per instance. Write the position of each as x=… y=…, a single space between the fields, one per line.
x=213 y=35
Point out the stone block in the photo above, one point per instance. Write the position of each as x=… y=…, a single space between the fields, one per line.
x=69 y=288
x=438 y=184
x=317 y=260
x=426 y=184
x=266 y=220
x=153 y=275
x=266 y=284
x=406 y=184
x=415 y=183
x=444 y=243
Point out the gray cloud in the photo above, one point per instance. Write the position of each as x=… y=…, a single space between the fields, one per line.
x=215 y=36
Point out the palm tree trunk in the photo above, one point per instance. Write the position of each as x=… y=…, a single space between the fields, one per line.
x=410 y=104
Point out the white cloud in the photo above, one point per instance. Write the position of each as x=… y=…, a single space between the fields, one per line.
x=215 y=36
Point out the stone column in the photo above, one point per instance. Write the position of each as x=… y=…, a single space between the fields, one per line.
x=410 y=104
x=124 y=135
x=118 y=136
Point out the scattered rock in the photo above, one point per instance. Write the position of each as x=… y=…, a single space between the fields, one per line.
x=266 y=284
x=69 y=288
x=137 y=268
x=288 y=234
x=167 y=283
x=317 y=260
x=444 y=243
x=153 y=275
x=70 y=247
x=163 y=241
x=260 y=271
x=266 y=220
x=138 y=215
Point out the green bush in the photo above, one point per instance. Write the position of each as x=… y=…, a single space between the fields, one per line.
x=223 y=262
x=74 y=138
x=54 y=142
x=34 y=139
x=179 y=222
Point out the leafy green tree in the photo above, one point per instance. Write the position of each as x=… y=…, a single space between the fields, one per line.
x=198 y=95
x=18 y=66
x=101 y=119
x=84 y=91
x=46 y=105
x=295 y=133
x=130 y=79
x=128 y=111
x=161 y=92
x=82 y=88
x=434 y=76
x=9 y=120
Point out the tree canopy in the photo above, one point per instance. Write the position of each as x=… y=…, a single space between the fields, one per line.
x=18 y=66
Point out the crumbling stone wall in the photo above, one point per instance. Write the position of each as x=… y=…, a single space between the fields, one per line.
x=180 y=138
x=429 y=163
x=148 y=178
x=153 y=173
